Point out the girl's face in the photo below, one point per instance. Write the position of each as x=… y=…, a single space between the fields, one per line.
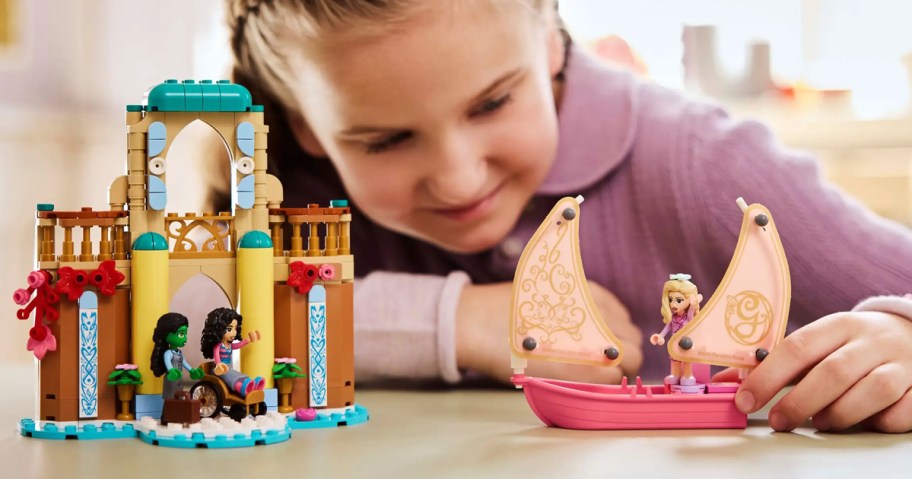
x=443 y=126
x=230 y=332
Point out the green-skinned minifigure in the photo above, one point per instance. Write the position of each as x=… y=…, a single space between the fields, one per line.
x=170 y=336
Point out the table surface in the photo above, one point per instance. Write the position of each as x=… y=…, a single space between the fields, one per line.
x=461 y=433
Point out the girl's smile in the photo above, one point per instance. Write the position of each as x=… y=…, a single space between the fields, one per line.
x=474 y=210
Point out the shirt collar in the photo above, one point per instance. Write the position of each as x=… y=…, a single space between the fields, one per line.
x=596 y=125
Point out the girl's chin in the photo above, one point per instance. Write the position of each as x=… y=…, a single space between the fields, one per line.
x=467 y=246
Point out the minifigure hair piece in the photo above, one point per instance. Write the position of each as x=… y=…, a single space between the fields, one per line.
x=678 y=283
x=216 y=324
x=167 y=324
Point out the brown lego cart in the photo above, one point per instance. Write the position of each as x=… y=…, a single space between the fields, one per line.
x=215 y=398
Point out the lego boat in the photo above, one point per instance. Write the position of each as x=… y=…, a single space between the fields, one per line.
x=553 y=318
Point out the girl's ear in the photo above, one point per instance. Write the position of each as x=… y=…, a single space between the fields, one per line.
x=304 y=136
x=556 y=49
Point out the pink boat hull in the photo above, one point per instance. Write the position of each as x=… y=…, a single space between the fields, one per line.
x=573 y=405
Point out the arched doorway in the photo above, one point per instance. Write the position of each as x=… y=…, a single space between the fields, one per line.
x=195 y=299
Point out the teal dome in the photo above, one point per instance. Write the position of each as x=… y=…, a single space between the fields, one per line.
x=255 y=239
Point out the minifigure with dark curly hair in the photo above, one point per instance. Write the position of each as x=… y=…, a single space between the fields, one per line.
x=223 y=325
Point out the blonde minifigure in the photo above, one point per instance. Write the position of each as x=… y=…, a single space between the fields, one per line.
x=680 y=303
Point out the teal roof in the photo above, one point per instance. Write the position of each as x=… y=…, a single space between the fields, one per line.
x=255 y=239
x=150 y=241
x=205 y=95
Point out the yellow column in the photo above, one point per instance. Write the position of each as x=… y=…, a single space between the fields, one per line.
x=255 y=272
x=149 y=301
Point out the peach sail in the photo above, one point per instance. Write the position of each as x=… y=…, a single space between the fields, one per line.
x=553 y=318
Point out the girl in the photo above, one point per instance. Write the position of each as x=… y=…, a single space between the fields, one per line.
x=222 y=326
x=680 y=303
x=440 y=121
x=169 y=336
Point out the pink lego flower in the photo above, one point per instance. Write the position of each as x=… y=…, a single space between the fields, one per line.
x=308 y=414
x=126 y=367
x=41 y=340
x=285 y=360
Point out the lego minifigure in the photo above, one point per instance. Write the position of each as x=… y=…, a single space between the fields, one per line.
x=680 y=303
x=167 y=359
x=223 y=325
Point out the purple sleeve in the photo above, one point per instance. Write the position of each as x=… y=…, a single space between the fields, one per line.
x=405 y=326
x=838 y=251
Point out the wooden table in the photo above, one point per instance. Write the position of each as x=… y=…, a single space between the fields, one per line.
x=466 y=434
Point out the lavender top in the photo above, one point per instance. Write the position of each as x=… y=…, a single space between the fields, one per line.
x=660 y=174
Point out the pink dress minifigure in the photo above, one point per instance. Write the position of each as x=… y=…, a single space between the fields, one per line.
x=680 y=303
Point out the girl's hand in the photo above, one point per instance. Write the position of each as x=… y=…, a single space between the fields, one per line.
x=657 y=339
x=254 y=336
x=858 y=370
x=174 y=374
x=695 y=299
x=220 y=368
x=482 y=329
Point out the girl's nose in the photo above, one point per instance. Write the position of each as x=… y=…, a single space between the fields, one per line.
x=458 y=172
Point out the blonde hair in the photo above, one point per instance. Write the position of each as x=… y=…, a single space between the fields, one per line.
x=266 y=34
x=682 y=286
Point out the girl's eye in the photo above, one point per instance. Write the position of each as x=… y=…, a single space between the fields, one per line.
x=491 y=106
x=388 y=142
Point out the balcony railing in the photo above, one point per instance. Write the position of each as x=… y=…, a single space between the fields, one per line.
x=206 y=235
x=327 y=230
x=111 y=243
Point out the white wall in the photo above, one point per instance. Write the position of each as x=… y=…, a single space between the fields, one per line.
x=62 y=99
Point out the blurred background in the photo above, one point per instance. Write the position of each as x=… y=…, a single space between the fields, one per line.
x=830 y=76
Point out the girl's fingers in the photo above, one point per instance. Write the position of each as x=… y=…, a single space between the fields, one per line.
x=824 y=384
x=875 y=392
x=726 y=376
x=799 y=352
x=897 y=418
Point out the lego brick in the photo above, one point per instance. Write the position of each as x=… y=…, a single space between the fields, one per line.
x=84 y=431
x=271 y=397
x=245 y=138
x=193 y=96
x=59 y=381
x=246 y=194
x=340 y=345
x=113 y=346
x=222 y=433
x=291 y=336
x=211 y=96
x=89 y=387
x=350 y=417
x=167 y=96
x=148 y=403
x=233 y=97
x=180 y=410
